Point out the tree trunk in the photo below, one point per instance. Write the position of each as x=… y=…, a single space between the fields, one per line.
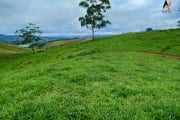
x=93 y=33
x=33 y=48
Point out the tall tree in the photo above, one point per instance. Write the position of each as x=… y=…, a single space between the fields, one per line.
x=179 y=20
x=30 y=34
x=94 y=18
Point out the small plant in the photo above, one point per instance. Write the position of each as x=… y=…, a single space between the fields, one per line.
x=166 y=48
x=79 y=78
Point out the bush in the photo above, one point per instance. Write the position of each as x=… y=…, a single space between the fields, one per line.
x=149 y=29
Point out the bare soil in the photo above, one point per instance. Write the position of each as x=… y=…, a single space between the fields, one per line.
x=170 y=56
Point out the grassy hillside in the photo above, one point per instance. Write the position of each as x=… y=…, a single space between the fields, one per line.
x=59 y=43
x=9 y=49
x=107 y=78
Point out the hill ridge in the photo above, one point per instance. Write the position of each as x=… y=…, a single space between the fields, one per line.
x=9 y=49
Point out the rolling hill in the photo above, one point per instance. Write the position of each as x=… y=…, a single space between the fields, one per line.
x=128 y=76
x=9 y=49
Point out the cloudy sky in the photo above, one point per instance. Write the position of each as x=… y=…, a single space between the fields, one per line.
x=60 y=17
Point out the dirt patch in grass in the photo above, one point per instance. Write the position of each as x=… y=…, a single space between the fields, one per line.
x=170 y=56
x=59 y=43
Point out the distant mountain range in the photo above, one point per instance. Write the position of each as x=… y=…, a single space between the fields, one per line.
x=8 y=38
x=16 y=40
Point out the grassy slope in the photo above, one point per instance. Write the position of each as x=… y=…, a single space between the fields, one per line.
x=101 y=79
x=59 y=43
x=9 y=49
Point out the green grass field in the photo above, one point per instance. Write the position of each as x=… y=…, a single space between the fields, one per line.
x=104 y=79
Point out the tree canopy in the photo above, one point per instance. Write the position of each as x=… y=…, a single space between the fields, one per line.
x=94 y=18
x=30 y=34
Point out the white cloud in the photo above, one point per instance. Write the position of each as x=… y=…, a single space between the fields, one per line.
x=61 y=16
